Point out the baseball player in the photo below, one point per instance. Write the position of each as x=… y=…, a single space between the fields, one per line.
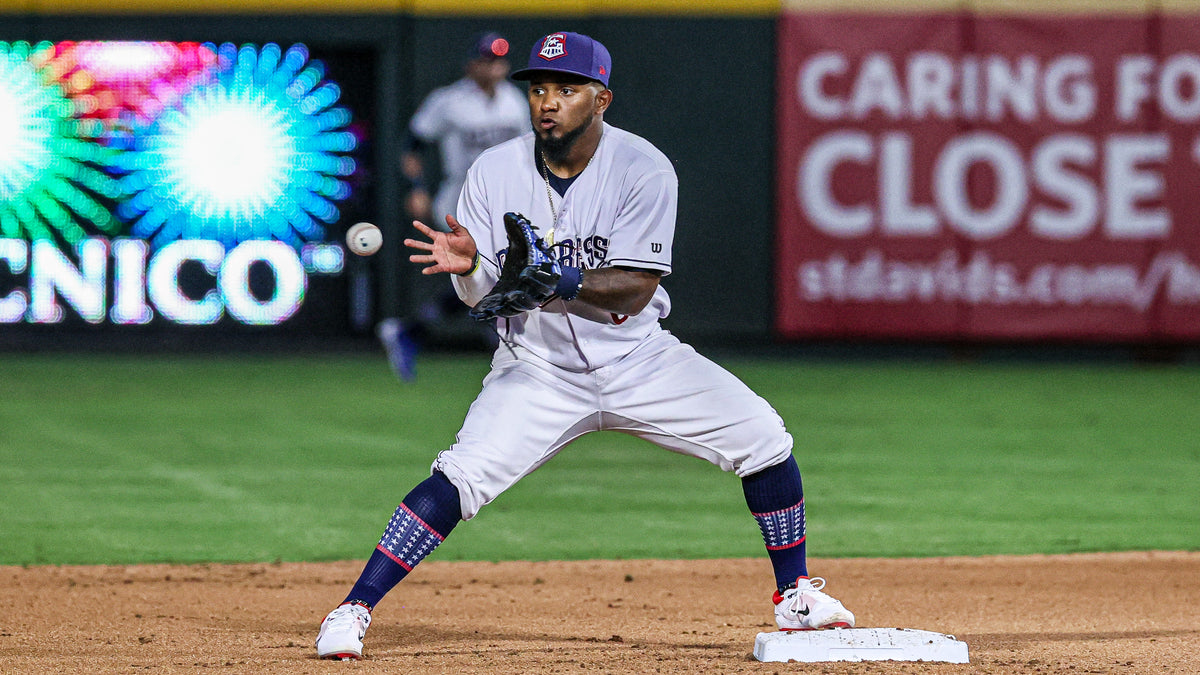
x=593 y=356
x=461 y=119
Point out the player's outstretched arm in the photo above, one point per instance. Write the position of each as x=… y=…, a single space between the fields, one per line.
x=621 y=290
x=452 y=251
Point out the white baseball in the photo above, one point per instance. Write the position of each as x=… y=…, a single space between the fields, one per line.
x=364 y=238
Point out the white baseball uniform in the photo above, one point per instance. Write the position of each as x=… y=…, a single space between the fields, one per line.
x=464 y=121
x=568 y=368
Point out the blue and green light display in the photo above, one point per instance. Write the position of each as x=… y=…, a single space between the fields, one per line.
x=53 y=171
x=259 y=152
x=157 y=155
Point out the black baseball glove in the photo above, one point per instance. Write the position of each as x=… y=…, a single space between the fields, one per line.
x=527 y=278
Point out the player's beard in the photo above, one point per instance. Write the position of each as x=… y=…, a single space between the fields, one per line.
x=555 y=150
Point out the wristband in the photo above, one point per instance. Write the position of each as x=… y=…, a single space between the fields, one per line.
x=474 y=266
x=570 y=283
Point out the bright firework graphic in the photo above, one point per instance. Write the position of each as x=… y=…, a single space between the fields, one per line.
x=52 y=172
x=258 y=151
x=128 y=84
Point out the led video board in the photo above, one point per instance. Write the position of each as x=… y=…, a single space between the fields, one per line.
x=176 y=182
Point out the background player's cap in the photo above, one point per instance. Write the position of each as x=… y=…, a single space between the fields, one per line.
x=489 y=46
x=568 y=53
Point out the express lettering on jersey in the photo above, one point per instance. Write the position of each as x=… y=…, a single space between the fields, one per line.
x=585 y=253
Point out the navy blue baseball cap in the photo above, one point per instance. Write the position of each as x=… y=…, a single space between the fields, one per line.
x=568 y=53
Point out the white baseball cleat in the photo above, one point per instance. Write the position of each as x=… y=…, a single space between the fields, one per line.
x=805 y=607
x=342 y=632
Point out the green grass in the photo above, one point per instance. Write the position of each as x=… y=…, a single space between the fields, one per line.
x=142 y=459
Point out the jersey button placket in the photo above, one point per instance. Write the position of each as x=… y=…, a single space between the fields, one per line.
x=564 y=223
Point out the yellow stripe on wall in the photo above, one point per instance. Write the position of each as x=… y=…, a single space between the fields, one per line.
x=601 y=7
x=159 y=7
x=420 y=7
x=533 y=8
x=993 y=6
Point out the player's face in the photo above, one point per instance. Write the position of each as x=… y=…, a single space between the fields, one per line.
x=562 y=107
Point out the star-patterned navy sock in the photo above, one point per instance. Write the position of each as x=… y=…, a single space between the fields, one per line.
x=424 y=518
x=775 y=496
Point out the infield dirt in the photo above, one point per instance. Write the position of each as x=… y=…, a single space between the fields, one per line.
x=1089 y=613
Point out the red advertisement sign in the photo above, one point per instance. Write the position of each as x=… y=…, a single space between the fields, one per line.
x=988 y=177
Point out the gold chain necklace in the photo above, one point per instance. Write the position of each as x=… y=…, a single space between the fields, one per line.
x=550 y=193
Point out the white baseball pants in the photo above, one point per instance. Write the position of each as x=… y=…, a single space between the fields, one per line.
x=664 y=392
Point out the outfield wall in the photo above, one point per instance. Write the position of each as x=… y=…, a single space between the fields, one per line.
x=760 y=253
x=983 y=176
x=702 y=94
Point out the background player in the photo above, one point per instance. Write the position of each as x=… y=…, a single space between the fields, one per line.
x=460 y=121
x=594 y=356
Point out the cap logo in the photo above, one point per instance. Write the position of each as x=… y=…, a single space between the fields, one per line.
x=554 y=46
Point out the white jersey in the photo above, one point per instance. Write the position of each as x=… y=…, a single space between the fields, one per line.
x=620 y=211
x=464 y=121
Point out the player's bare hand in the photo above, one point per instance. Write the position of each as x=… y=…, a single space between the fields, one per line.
x=452 y=251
